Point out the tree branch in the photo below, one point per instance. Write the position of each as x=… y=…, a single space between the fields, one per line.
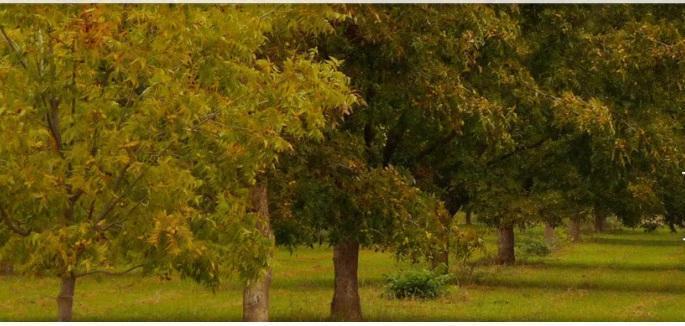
x=516 y=151
x=434 y=146
x=11 y=224
x=109 y=272
x=13 y=47
x=53 y=124
x=91 y=209
x=123 y=219
x=394 y=139
x=117 y=199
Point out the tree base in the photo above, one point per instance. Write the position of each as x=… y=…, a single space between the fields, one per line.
x=346 y=305
x=506 y=254
x=65 y=299
x=256 y=299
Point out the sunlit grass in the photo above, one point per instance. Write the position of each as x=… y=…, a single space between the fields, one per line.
x=617 y=276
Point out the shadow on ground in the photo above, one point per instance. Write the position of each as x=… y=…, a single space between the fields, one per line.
x=616 y=267
x=638 y=242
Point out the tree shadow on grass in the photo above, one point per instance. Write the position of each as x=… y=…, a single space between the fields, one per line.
x=638 y=242
x=585 y=285
x=323 y=283
x=616 y=267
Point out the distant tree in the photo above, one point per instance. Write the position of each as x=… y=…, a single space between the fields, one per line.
x=625 y=56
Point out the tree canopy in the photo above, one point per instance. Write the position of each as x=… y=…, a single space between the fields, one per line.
x=180 y=138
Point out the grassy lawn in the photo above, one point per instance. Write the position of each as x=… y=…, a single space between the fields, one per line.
x=619 y=276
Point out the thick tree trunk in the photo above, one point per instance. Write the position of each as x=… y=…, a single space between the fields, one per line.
x=65 y=299
x=256 y=292
x=506 y=254
x=574 y=229
x=346 y=305
x=599 y=222
x=549 y=235
x=467 y=218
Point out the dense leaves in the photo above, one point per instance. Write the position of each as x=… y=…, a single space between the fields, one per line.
x=135 y=136
x=129 y=129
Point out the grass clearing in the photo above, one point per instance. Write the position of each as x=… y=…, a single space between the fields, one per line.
x=626 y=275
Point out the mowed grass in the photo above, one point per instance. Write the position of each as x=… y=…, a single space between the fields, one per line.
x=626 y=275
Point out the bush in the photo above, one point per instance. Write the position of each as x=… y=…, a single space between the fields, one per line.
x=421 y=284
x=533 y=248
x=465 y=243
x=651 y=223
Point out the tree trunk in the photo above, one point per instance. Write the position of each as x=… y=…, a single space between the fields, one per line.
x=256 y=299
x=467 y=218
x=346 y=305
x=549 y=235
x=6 y=268
x=65 y=299
x=256 y=292
x=599 y=223
x=574 y=229
x=506 y=254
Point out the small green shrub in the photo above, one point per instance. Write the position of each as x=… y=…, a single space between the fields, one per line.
x=416 y=284
x=533 y=248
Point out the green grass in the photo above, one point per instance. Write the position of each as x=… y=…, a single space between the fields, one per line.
x=619 y=276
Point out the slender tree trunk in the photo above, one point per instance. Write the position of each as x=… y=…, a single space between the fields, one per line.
x=600 y=220
x=574 y=229
x=549 y=235
x=256 y=292
x=467 y=218
x=346 y=305
x=65 y=299
x=506 y=254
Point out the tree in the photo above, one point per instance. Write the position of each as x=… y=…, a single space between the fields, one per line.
x=87 y=152
x=286 y=94
x=431 y=49
x=114 y=101
x=325 y=192
x=624 y=55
